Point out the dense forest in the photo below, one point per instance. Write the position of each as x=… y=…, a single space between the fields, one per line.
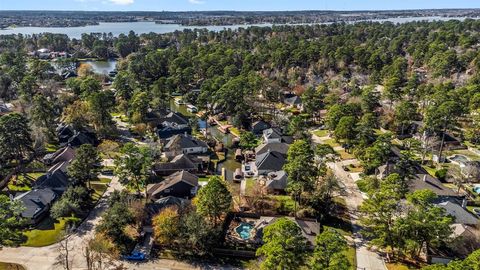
x=414 y=69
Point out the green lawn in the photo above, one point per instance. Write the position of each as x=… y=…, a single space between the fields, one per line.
x=397 y=266
x=331 y=142
x=344 y=155
x=51 y=147
x=204 y=179
x=430 y=170
x=235 y=131
x=99 y=188
x=47 y=232
x=321 y=133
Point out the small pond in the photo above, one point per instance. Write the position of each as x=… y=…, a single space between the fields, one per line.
x=460 y=159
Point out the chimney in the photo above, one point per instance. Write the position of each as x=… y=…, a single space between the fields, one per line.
x=424 y=178
x=464 y=203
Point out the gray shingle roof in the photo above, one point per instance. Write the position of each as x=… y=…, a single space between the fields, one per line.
x=183 y=141
x=272 y=133
x=426 y=181
x=270 y=161
x=180 y=162
x=461 y=215
x=176 y=118
x=281 y=148
x=181 y=176
x=36 y=201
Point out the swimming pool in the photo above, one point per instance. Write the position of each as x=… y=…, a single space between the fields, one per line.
x=476 y=189
x=244 y=230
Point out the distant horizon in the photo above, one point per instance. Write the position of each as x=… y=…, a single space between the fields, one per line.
x=231 y=5
x=232 y=10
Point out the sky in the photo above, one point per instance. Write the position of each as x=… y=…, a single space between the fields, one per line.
x=191 y=5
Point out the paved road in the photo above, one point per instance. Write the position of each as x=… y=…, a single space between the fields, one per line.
x=366 y=259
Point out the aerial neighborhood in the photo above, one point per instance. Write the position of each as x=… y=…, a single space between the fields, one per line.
x=306 y=146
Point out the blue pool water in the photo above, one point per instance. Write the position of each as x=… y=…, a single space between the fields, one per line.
x=477 y=190
x=244 y=230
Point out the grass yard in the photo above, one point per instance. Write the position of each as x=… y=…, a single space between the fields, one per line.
x=345 y=156
x=331 y=142
x=396 y=266
x=320 y=133
x=51 y=147
x=48 y=232
x=99 y=188
x=250 y=186
x=430 y=170
x=235 y=131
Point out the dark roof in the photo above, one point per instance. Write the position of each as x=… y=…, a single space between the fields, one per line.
x=171 y=180
x=66 y=153
x=277 y=180
x=36 y=201
x=426 y=181
x=165 y=133
x=461 y=215
x=260 y=126
x=182 y=141
x=270 y=161
x=55 y=179
x=293 y=100
x=180 y=162
x=281 y=148
x=272 y=133
x=176 y=118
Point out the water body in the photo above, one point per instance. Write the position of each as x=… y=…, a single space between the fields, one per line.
x=117 y=28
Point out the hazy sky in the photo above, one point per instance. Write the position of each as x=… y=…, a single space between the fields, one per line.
x=177 y=5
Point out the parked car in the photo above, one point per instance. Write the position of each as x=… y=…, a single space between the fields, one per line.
x=135 y=256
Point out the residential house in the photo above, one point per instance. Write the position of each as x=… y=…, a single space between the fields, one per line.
x=461 y=215
x=36 y=203
x=426 y=181
x=273 y=135
x=55 y=179
x=67 y=135
x=180 y=184
x=174 y=120
x=281 y=148
x=186 y=144
x=275 y=182
x=46 y=190
x=293 y=101
x=268 y=162
x=259 y=126
x=65 y=154
x=181 y=162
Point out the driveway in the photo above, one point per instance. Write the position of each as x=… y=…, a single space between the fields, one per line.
x=366 y=259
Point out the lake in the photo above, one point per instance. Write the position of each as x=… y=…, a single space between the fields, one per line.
x=117 y=28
